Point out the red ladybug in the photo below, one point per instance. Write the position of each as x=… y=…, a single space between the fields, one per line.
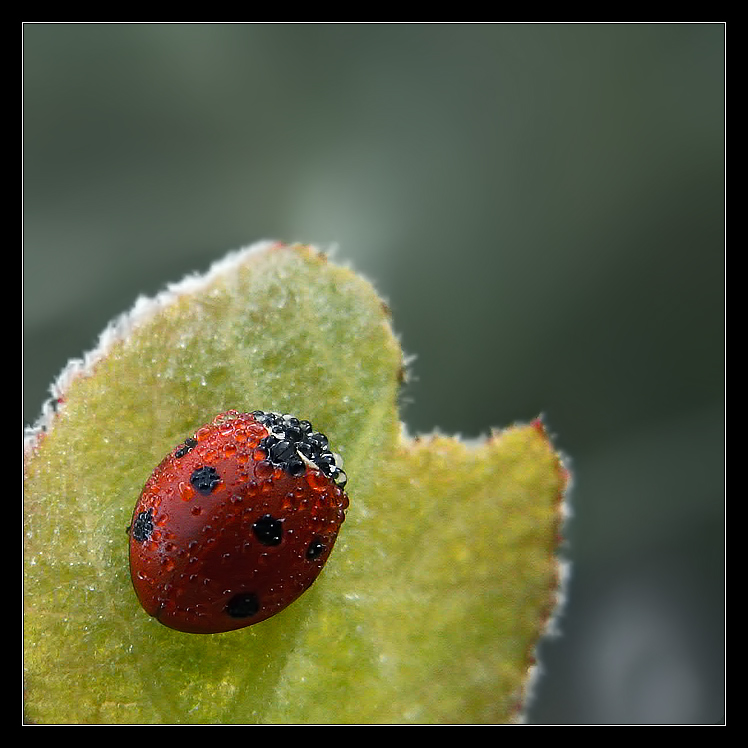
x=236 y=522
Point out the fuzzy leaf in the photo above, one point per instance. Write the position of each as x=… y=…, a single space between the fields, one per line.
x=444 y=575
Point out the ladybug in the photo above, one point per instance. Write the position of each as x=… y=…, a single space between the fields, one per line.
x=236 y=522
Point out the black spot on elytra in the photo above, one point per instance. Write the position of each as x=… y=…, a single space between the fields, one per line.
x=142 y=527
x=205 y=479
x=189 y=444
x=244 y=605
x=316 y=548
x=268 y=530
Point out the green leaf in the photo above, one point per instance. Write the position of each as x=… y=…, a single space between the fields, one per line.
x=443 y=578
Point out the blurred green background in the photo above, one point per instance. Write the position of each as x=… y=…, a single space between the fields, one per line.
x=541 y=205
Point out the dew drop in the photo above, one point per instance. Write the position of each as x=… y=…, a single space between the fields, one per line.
x=256 y=431
x=316 y=480
x=264 y=469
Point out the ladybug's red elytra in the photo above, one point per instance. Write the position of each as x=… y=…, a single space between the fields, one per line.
x=236 y=522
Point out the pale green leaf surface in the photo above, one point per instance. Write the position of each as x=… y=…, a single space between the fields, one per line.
x=444 y=575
